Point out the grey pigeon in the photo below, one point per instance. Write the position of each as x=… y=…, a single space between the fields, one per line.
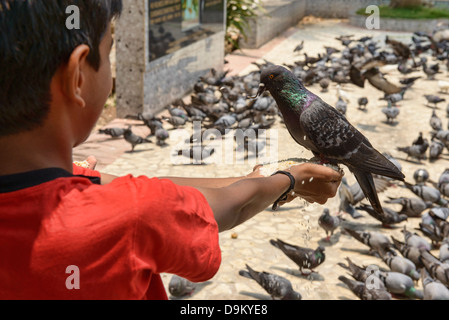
x=436 y=269
x=415 y=240
x=399 y=264
x=391 y=112
x=177 y=112
x=175 y=121
x=433 y=99
x=362 y=102
x=362 y=292
x=412 y=207
x=435 y=150
x=417 y=151
x=388 y=217
x=443 y=136
x=161 y=135
x=305 y=258
x=134 y=139
x=394 y=98
x=341 y=106
x=432 y=231
x=113 y=132
x=435 y=122
x=329 y=223
x=427 y=193
x=197 y=153
x=444 y=251
x=364 y=274
x=180 y=287
x=433 y=289
x=443 y=183
x=421 y=175
x=320 y=128
x=279 y=288
x=153 y=125
x=410 y=252
x=400 y=284
x=227 y=120
x=324 y=84
x=348 y=199
x=374 y=240
x=441 y=213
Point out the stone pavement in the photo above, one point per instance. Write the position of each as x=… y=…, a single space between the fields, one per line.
x=296 y=222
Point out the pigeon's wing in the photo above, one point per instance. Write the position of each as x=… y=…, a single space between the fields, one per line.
x=335 y=138
x=379 y=82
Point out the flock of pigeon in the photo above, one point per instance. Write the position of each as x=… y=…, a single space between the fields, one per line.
x=222 y=102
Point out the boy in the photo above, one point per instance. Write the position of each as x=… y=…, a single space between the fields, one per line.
x=72 y=233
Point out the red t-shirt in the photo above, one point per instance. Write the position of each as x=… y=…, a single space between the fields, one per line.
x=119 y=237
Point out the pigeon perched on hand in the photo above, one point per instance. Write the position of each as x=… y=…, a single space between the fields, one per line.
x=305 y=258
x=320 y=128
x=279 y=288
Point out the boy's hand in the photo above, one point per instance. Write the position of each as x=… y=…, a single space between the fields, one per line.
x=314 y=183
x=92 y=162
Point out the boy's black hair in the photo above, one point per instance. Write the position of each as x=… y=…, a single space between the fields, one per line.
x=34 y=43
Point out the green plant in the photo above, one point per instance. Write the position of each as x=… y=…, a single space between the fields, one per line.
x=410 y=12
x=238 y=15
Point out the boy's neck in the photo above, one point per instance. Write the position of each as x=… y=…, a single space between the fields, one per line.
x=33 y=150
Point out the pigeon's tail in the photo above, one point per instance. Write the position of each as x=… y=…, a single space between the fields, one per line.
x=366 y=182
x=251 y=274
x=353 y=285
x=397 y=244
x=403 y=149
x=354 y=234
x=245 y=274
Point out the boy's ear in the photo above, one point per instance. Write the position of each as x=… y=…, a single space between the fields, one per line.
x=74 y=74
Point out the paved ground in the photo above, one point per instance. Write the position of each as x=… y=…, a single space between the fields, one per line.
x=297 y=222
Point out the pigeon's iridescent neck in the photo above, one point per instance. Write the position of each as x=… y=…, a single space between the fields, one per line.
x=300 y=99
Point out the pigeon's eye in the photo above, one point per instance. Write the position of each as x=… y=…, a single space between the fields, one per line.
x=271 y=76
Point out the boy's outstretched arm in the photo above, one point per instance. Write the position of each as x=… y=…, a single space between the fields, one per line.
x=234 y=204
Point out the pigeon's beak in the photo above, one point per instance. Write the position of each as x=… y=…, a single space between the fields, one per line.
x=259 y=92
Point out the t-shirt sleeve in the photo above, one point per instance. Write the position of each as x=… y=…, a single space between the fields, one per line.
x=175 y=231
